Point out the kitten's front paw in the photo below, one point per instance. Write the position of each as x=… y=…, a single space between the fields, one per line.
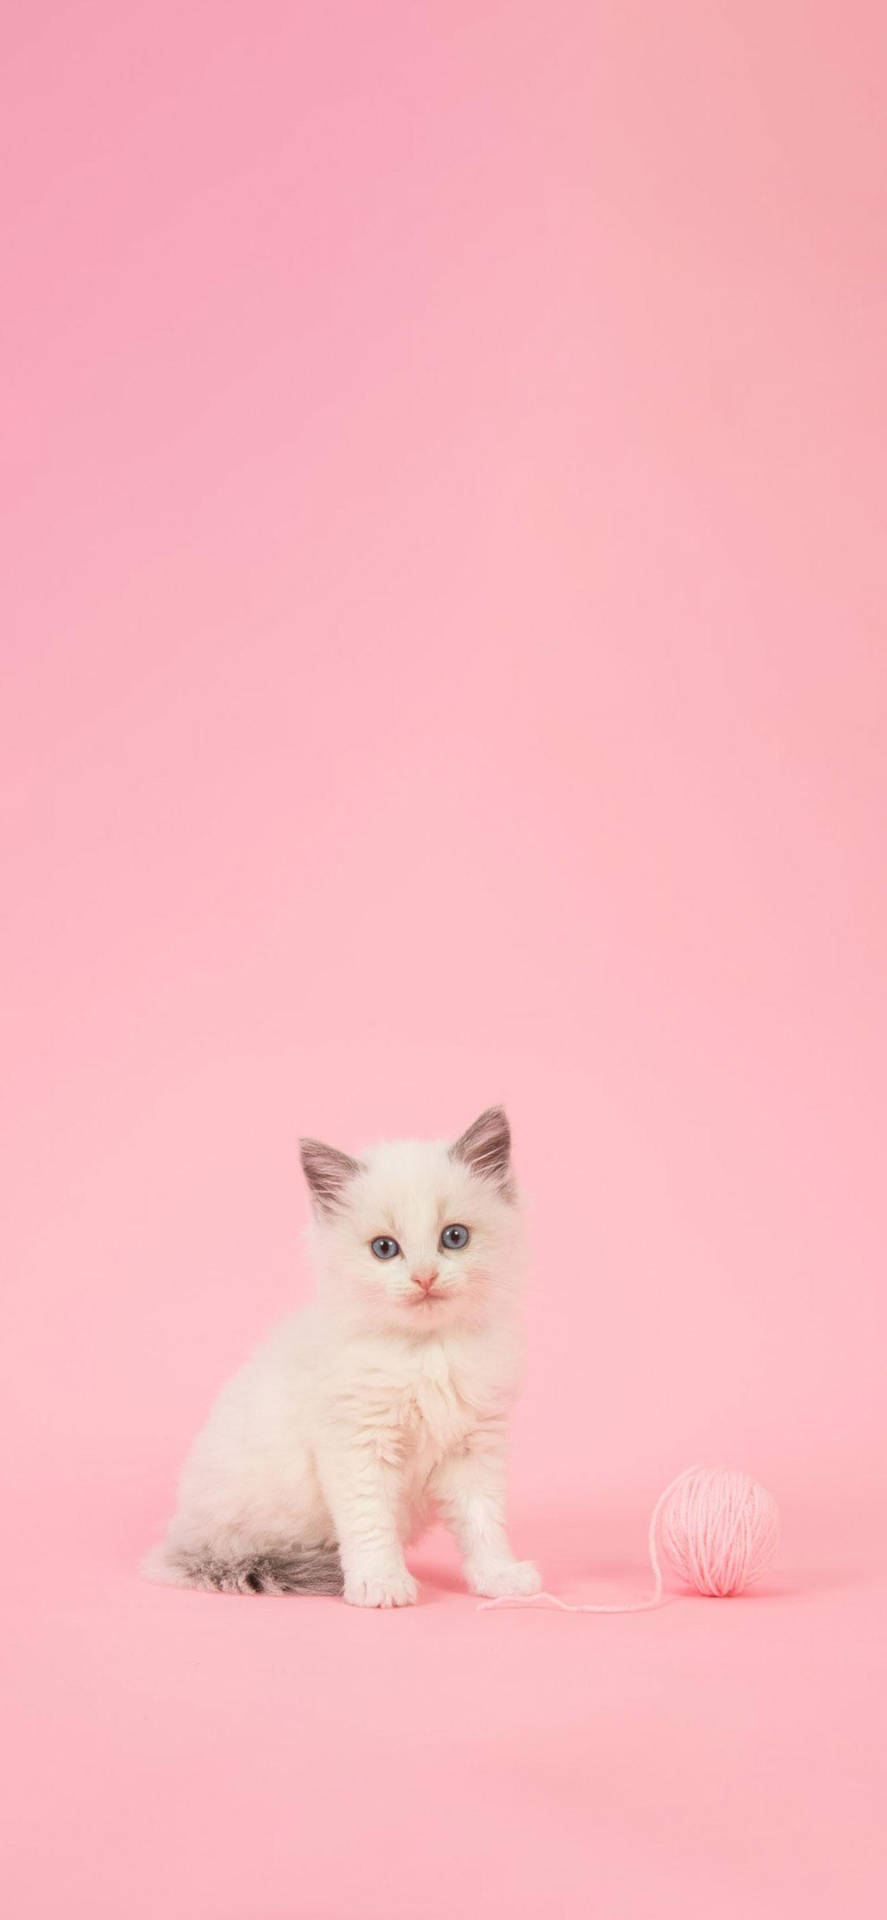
x=373 y=1590
x=504 y=1577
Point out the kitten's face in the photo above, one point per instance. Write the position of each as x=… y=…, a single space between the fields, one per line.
x=417 y=1235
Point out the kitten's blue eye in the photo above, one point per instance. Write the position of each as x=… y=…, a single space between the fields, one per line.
x=384 y=1247
x=455 y=1237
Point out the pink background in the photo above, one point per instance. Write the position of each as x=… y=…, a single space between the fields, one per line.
x=444 y=503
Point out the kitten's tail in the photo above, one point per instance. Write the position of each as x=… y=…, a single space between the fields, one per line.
x=303 y=1570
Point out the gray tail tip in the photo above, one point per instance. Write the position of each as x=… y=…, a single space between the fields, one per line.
x=314 y=1570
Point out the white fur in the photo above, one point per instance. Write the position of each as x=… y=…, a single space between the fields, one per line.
x=376 y=1406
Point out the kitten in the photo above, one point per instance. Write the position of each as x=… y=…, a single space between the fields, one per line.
x=382 y=1403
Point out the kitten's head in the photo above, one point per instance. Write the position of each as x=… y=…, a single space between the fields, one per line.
x=417 y=1235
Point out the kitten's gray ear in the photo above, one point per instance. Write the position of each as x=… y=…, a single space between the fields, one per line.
x=328 y=1172
x=485 y=1147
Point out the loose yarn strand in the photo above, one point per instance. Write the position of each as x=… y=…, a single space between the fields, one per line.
x=715 y=1524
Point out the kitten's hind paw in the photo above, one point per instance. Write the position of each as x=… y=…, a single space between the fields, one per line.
x=503 y=1578
x=395 y=1590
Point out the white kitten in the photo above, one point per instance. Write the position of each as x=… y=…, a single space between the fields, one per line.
x=382 y=1403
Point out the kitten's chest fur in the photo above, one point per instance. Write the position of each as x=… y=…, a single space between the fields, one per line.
x=425 y=1399
x=434 y=1408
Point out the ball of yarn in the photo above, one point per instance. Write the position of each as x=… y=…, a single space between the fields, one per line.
x=719 y=1528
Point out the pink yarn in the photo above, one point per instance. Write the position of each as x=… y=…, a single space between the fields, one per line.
x=716 y=1525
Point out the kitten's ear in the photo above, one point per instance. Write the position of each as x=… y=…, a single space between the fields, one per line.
x=328 y=1172
x=485 y=1147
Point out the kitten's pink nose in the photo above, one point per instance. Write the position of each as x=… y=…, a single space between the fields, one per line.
x=424 y=1280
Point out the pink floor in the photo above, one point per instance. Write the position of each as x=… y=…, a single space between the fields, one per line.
x=175 y=1754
